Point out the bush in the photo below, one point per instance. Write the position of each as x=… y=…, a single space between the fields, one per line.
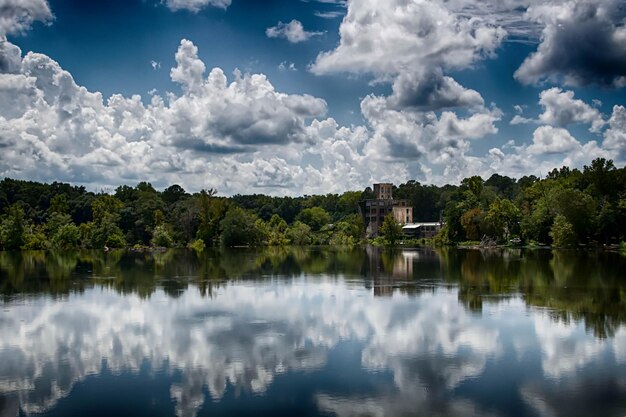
x=66 y=237
x=35 y=239
x=197 y=245
x=116 y=240
x=161 y=237
x=300 y=234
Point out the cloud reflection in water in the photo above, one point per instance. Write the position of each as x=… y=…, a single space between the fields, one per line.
x=248 y=334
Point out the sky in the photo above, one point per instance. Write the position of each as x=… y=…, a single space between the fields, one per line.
x=299 y=97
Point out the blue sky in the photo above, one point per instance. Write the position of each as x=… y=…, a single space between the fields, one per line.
x=294 y=97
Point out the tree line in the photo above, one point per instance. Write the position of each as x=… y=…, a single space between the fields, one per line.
x=566 y=208
x=62 y=216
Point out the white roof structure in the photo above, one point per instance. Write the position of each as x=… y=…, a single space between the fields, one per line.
x=418 y=225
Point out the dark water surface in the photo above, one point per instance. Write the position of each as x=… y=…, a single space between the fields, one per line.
x=309 y=332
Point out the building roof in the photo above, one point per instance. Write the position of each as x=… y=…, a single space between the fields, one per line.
x=418 y=225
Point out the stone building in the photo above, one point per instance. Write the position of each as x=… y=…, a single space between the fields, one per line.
x=374 y=210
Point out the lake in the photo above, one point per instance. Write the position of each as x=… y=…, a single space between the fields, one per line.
x=313 y=332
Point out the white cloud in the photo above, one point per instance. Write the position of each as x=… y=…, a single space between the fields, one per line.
x=287 y=66
x=394 y=36
x=229 y=135
x=615 y=136
x=293 y=31
x=425 y=141
x=328 y=14
x=10 y=57
x=17 y=16
x=155 y=65
x=548 y=140
x=54 y=128
x=190 y=69
x=412 y=44
x=561 y=109
x=196 y=5
x=475 y=126
x=521 y=120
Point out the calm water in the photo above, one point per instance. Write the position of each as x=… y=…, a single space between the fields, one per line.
x=308 y=332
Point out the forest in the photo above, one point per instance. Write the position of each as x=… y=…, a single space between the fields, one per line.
x=567 y=208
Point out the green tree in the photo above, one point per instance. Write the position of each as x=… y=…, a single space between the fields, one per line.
x=161 y=237
x=61 y=230
x=300 y=234
x=578 y=208
x=105 y=230
x=391 y=230
x=276 y=230
x=474 y=185
x=349 y=203
x=12 y=228
x=66 y=237
x=239 y=228
x=55 y=221
x=472 y=222
x=211 y=212
x=502 y=219
x=600 y=177
x=173 y=194
x=58 y=204
x=562 y=232
x=140 y=204
x=35 y=238
x=314 y=217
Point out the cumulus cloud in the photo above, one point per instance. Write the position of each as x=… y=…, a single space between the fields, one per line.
x=561 y=109
x=17 y=16
x=426 y=91
x=230 y=132
x=552 y=147
x=393 y=36
x=548 y=139
x=412 y=44
x=10 y=57
x=53 y=128
x=583 y=42
x=615 y=135
x=425 y=140
x=293 y=31
x=220 y=133
x=196 y=5
x=189 y=70
x=521 y=120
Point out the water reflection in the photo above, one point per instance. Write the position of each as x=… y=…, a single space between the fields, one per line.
x=359 y=332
